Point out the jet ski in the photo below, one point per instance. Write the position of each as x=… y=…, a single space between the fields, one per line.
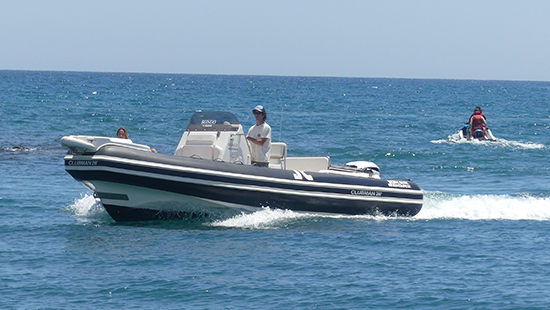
x=478 y=134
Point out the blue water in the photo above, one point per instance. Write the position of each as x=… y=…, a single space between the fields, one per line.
x=480 y=242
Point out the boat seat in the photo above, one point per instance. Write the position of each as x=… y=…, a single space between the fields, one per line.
x=308 y=163
x=278 y=155
x=201 y=144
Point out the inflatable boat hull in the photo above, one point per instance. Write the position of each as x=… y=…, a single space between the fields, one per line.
x=138 y=185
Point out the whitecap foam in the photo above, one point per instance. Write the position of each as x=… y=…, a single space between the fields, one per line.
x=484 y=207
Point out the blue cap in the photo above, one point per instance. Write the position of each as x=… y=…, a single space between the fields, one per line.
x=259 y=108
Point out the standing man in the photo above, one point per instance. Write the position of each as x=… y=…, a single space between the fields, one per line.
x=259 y=137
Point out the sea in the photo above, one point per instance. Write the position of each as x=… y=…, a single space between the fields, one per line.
x=481 y=240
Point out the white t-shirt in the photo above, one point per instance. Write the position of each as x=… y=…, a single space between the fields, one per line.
x=260 y=153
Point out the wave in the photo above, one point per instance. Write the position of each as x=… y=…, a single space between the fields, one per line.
x=455 y=139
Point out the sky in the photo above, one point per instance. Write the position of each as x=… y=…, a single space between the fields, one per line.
x=433 y=39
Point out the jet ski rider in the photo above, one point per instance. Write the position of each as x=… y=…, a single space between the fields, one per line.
x=477 y=121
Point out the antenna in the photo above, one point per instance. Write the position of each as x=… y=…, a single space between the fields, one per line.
x=281 y=128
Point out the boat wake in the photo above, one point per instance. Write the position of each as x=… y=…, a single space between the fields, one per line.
x=264 y=219
x=484 y=207
x=437 y=206
x=455 y=139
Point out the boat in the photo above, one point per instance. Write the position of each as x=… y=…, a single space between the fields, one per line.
x=210 y=174
x=478 y=134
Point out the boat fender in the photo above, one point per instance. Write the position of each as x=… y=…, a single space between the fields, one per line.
x=78 y=142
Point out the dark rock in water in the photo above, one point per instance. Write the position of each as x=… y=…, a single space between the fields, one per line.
x=20 y=147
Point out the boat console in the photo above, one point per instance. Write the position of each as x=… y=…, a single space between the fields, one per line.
x=216 y=135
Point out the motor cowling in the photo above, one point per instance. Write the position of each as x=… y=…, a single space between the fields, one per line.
x=365 y=166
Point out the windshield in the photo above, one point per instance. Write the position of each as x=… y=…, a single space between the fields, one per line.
x=213 y=121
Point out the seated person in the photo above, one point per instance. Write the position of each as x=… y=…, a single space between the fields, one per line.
x=477 y=121
x=122 y=133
